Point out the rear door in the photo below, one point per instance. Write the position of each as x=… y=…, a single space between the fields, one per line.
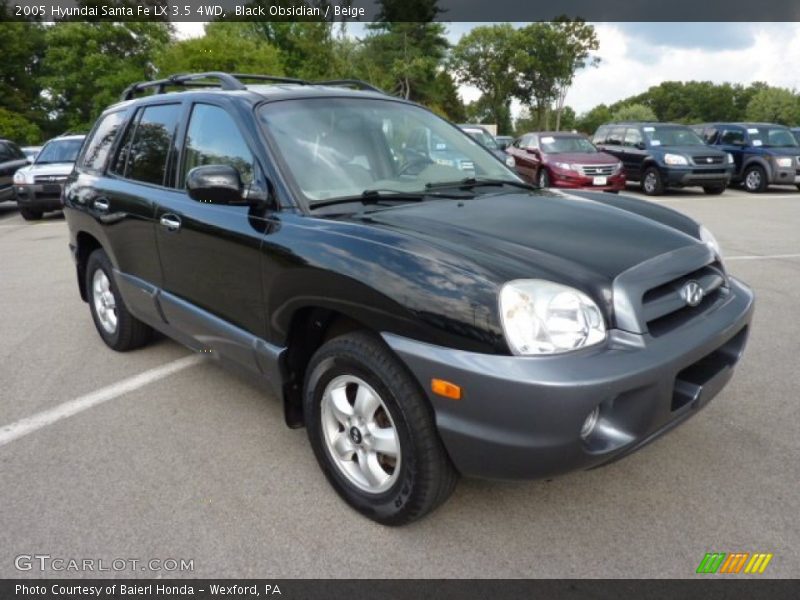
x=633 y=153
x=732 y=139
x=210 y=253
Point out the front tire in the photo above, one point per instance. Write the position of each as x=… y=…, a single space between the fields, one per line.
x=755 y=179
x=715 y=190
x=30 y=214
x=120 y=330
x=373 y=431
x=652 y=184
x=543 y=178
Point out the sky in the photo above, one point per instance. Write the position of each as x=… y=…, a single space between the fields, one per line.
x=635 y=56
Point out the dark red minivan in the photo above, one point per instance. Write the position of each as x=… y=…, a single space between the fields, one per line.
x=566 y=160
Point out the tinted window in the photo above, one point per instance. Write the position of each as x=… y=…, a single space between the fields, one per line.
x=616 y=135
x=146 y=145
x=600 y=135
x=731 y=136
x=14 y=151
x=632 y=136
x=94 y=158
x=5 y=152
x=213 y=138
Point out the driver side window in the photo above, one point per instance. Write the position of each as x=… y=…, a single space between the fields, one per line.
x=213 y=138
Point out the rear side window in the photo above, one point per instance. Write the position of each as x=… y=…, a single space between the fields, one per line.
x=94 y=158
x=616 y=136
x=632 y=136
x=600 y=136
x=731 y=136
x=5 y=152
x=213 y=138
x=147 y=145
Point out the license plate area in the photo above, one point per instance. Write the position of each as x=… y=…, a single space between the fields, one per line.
x=599 y=180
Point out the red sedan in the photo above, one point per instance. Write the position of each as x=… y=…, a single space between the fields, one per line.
x=566 y=160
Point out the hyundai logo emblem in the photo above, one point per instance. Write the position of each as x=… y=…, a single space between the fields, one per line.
x=692 y=293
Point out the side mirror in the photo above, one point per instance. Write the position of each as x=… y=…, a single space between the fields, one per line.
x=534 y=151
x=215 y=184
x=639 y=145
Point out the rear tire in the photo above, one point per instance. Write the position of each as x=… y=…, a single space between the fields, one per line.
x=30 y=214
x=652 y=184
x=120 y=330
x=373 y=432
x=714 y=190
x=755 y=179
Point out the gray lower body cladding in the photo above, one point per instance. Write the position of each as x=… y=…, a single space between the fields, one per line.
x=521 y=417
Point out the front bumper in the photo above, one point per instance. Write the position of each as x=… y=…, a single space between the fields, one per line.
x=718 y=175
x=40 y=196
x=520 y=417
x=784 y=175
x=613 y=183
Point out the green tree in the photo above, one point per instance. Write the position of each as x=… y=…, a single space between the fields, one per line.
x=222 y=48
x=17 y=128
x=588 y=122
x=86 y=66
x=484 y=58
x=21 y=50
x=774 y=105
x=406 y=48
x=547 y=58
x=634 y=112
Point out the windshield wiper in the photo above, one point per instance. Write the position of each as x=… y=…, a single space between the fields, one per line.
x=370 y=197
x=472 y=182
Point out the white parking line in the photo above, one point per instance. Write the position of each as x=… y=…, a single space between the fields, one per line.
x=762 y=257
x=23 y=427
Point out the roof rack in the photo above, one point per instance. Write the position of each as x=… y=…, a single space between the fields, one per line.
x=232 y=81
x=356 y=83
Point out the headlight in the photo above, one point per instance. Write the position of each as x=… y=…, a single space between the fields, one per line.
x=617 y=168
x=510 y=162
x=19 y=178
x=710 y=240
x=784 y=161
x=563 y=166
x=542 y=317
x=675 y=159
x=730 y=158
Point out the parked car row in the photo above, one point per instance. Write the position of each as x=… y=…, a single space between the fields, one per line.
x=662 y=155
x=34 y=176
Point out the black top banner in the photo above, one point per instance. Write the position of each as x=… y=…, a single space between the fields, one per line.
x=411 y=10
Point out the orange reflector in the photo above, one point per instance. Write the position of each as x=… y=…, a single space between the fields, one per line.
x=446 y=389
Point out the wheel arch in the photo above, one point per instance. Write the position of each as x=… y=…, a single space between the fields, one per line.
x=85 y=244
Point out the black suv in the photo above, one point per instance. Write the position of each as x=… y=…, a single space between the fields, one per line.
x=12 y=158
x=420 y=323
x=662 y=155
x=764 y=153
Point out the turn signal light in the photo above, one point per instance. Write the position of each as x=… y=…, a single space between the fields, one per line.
x=446 y=389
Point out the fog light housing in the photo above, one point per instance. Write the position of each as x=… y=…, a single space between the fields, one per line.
x=590 y=423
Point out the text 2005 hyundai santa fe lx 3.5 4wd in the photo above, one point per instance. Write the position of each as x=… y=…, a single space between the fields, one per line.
x=423 y=318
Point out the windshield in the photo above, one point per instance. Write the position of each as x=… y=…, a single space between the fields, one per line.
x=561 y=144
x=342 y=147
x=671 y=136
x=59 y=151
x=771 y=136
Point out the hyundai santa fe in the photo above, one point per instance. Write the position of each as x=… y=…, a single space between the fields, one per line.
x=421 y=322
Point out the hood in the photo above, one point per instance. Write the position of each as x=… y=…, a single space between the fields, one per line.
x=61 y=169
x=550 y=235
x=582 y=158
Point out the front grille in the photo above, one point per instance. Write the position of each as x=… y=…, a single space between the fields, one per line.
x=50 y=179
x=708 y=160
x=665 y=309
x=596 y=170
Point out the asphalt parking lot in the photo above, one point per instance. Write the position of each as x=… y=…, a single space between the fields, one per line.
x=197 y=464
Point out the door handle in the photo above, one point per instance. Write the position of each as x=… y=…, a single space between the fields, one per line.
x=170 y=222
x=101 y=205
